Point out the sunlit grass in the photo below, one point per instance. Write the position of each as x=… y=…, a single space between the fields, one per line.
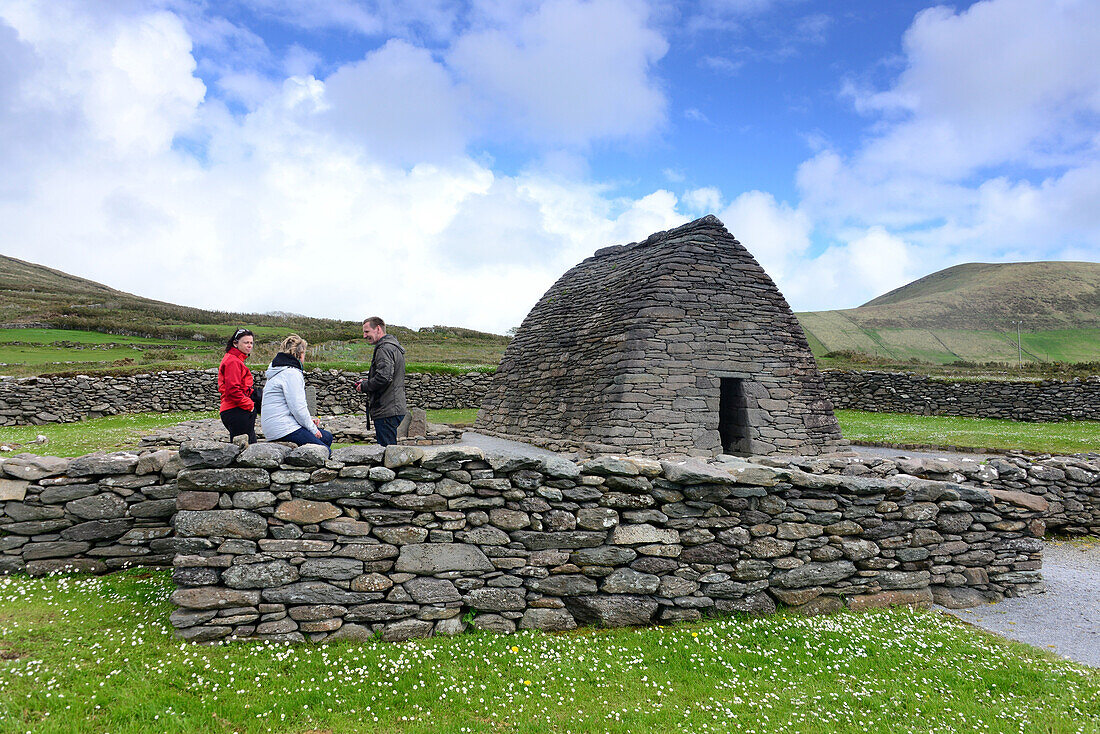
x=453 y=416
x=97 y=434
x=1065 y=437
x=125 y=431
x=92 y=654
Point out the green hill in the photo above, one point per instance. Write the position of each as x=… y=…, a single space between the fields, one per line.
x=31 y=293
x=73 y=314
x=967 y=313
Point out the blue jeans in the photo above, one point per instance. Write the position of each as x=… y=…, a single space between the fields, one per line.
x=303 y=436
x=385 y=429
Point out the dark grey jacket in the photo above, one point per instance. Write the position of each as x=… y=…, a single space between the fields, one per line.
x=385 y=383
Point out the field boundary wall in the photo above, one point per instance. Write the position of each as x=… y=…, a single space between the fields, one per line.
x=40 y=400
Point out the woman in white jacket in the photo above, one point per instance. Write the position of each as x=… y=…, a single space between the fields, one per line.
x=285 y=415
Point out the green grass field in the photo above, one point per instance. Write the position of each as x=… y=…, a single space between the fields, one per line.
x=110 y=433
x=96 y=654
x=52 y=336
x=830 y=331
x=1064 y=437
x=117 y=432
x=68 y=351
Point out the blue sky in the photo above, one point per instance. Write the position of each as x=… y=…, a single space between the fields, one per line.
x=443 y=162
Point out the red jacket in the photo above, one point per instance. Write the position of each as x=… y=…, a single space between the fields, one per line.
x=235 y=381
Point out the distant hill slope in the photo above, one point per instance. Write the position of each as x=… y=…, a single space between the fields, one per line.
x=32 y=293
x=1046 y=295
x=35 y=294
x=966 y=312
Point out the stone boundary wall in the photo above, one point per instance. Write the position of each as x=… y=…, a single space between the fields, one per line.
x=408 y=542
x=102 y=512
x=96 y=513
x=38 y=400
x=894 y=392
x=1066 y=488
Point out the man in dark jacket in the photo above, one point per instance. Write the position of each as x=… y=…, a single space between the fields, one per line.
x=385 y=383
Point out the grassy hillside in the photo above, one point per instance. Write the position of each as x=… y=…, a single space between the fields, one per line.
x=91 y=327
x=961 y=314
x=966 y=313
x=31 y=293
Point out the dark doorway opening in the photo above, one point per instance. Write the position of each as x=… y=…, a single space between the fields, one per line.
x=733 y=417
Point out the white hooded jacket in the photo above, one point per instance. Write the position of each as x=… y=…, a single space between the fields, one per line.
x=284 y=405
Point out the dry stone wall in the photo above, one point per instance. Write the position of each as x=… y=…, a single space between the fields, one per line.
x=1065 y=488
x=892 y=392
x=408 y=542
x=38 y=400
x=95 y=513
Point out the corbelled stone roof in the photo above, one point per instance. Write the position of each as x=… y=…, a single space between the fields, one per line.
x=628 y=351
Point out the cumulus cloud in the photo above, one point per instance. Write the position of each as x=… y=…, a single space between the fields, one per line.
x=1004 y=81
x=131 y=84
x=568 y=73
x=985 y=145
x=401 y=103
x=702 y=201
x=774 y=232
x=867 y=264
x=319 y=198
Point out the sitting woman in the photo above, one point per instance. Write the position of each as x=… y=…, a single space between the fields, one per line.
x=285 y=414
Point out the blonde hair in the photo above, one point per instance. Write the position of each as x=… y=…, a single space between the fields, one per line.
x=294 y=345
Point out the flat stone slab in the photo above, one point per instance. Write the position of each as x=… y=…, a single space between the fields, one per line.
x=428 y=559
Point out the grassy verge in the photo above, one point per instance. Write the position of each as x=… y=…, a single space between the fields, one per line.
x=1065 y=437
x=124 y=431
x=464 y=416
x=98 y=434
x=91 y=654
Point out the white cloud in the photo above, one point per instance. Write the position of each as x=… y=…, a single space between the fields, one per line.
x=985 y=146
x=311 y=202
x=702 y=201
x=434 y=18
x=867 y=264
x=695 y=115
x=300 y=61
x=722 y=64
x=131 y=82
x=400 y=103
x=776 y=234
x=1006 y=81
x=569 y=73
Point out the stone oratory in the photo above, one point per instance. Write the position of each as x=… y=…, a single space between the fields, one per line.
x=680 y=344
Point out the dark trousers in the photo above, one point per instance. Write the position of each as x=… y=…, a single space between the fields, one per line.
x=240 y=422
x=303 y=436
x=385 y=429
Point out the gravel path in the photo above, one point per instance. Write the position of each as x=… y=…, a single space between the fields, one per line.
x=1064 y=620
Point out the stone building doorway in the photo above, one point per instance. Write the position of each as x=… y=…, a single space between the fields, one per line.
x=733 y=416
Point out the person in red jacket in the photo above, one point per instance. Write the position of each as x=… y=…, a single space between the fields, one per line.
x=238 y=412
